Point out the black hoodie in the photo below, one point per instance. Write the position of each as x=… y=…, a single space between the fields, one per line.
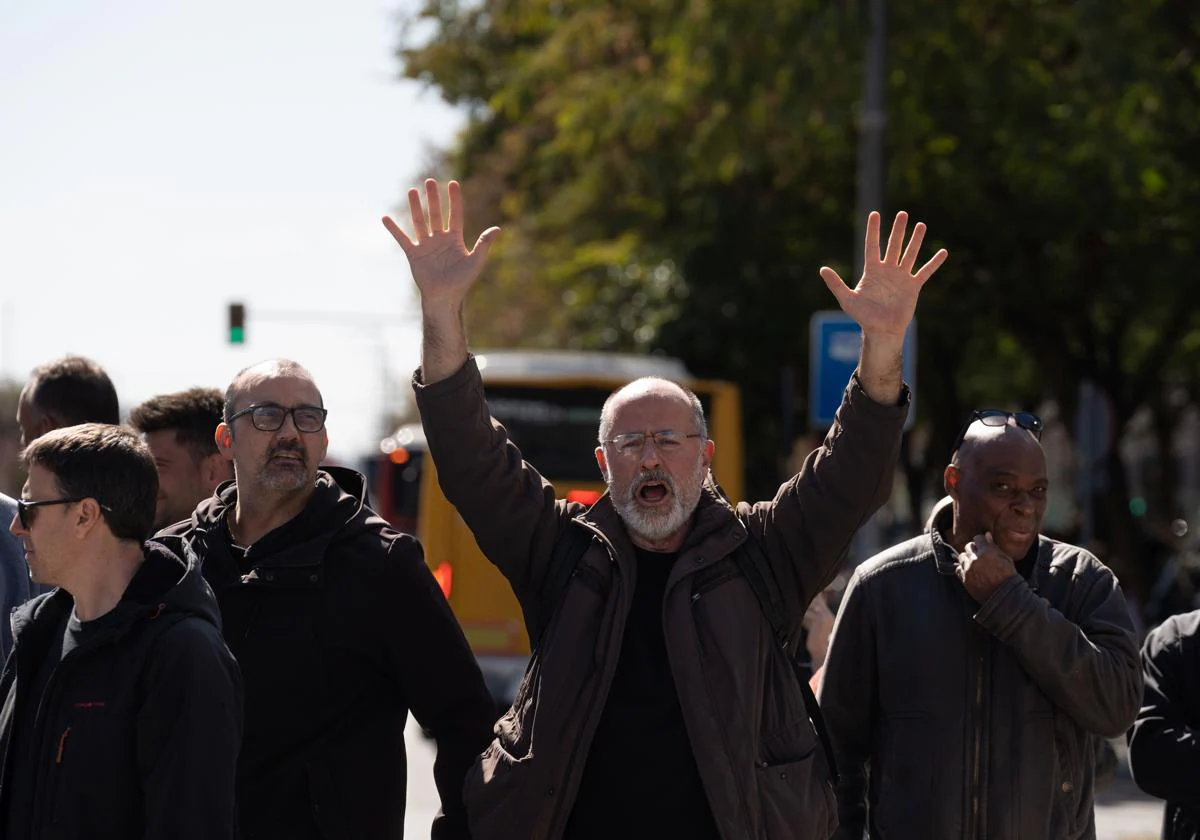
x=340 y=630
x=137 y=731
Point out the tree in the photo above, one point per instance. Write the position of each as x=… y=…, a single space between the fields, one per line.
x=672 y=174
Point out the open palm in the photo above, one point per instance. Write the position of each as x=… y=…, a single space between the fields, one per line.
x=441 y=265
x=885 y=298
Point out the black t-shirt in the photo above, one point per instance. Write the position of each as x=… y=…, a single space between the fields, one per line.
x=24 y=756
x=640 y=780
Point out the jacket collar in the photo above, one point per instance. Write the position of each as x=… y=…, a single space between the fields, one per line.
x=945 y=558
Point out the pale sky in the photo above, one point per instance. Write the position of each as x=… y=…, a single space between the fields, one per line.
x=160 y=159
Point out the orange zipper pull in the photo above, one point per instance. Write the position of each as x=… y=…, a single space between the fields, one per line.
x=62 y=742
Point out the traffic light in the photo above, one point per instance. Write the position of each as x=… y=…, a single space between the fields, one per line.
x=237 y=323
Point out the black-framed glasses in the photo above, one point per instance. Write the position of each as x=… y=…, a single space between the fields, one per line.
x=999 y=417
x=632 y=444
x=269 y=417
x=27 y=510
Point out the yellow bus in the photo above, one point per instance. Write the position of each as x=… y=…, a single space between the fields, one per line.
x=549 y=402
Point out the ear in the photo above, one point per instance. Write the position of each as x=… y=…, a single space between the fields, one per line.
x=45 y=424
x=950 y=481
x=709 y=449
x=87 y=517
x=215 y=469
x=224 y=440
x=324 y=447
x=602 y=462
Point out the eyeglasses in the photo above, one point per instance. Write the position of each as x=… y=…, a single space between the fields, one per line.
x=26 y=510
x=632 y=444
x=998 y=417
x=269 y=417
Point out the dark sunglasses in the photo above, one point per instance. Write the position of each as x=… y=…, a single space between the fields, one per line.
x=27 y=513
x=269 y=417
x=998 y=417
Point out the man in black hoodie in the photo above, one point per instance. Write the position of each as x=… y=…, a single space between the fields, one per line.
x=338 y=625
x=121 y=710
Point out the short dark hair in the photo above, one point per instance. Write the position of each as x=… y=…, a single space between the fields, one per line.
x=193 y=414
x=103 y=462
x=74 y=390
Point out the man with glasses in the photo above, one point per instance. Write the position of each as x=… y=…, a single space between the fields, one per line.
x=338 y=625
x=657 y=702
x=975 y=669
x=121 y=704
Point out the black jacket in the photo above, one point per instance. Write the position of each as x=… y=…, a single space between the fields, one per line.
x=137 y=735
x=976 y=721
x=1164 y=744
x=340 y=630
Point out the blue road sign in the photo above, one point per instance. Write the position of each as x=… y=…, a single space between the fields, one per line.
x=835 y=340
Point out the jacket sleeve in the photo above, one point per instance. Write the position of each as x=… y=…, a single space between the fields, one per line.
x=429 y=657
x=848 y=699
x=189 y=731
x=1164 y=748
x=1088 y=669
x=505 y=502
x=815 y=514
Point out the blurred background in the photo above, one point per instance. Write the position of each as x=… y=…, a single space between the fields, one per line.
x=669 y=175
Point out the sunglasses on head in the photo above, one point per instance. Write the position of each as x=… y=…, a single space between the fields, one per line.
x=998 y=417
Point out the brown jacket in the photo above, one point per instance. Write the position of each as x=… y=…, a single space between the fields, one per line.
x=756 y=751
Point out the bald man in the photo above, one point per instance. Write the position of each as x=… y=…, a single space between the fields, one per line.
x=973 y=669
x=338 y=626
x=658 y=702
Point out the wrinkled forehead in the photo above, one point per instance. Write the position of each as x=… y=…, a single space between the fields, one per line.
x=651 y=406
x=286 y=389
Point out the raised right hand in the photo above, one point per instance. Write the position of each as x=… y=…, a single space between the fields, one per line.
x=442 y=267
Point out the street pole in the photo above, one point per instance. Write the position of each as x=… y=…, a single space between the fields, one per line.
x=870 y=187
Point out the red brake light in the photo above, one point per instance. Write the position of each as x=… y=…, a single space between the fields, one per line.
x=444 y=575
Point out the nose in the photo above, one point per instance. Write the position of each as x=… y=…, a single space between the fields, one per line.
x=1024 y=503
x=650 y=455
x=14 y=527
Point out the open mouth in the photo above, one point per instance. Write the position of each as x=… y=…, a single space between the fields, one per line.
x=653 y=493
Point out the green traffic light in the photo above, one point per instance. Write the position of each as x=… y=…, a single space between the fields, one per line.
x=237 y=335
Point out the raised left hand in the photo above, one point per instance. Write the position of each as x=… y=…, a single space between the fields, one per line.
x=885 y=298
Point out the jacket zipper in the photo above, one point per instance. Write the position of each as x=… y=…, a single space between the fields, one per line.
x=553 y=828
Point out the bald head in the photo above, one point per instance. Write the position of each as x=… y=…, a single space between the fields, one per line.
x=250 y=377
x=980 y=439
x=650 y=388
x=998 y=483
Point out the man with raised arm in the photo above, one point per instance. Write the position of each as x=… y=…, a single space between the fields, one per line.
x=657 y=702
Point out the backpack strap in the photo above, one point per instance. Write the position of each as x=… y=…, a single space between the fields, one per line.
x=751 y=558
x=569 y=548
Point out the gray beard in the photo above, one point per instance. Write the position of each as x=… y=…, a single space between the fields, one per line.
x=656 y=525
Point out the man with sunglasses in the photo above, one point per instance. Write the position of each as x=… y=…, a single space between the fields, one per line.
x=120 y=707
x=974 y=670
x=658 y=702
x=338 y=625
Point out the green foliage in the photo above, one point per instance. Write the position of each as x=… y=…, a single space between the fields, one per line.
x=670 y=176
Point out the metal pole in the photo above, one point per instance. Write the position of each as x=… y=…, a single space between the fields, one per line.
x=869 y=539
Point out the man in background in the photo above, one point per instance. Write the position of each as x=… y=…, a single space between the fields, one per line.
x=14 y=574
x=179 y=428
x=65 y=392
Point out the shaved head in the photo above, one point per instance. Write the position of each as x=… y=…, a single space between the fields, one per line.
x=251 y=376
x=979 y=438
x=654 y=387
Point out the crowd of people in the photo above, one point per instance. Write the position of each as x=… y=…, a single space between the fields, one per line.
x=213 y=635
